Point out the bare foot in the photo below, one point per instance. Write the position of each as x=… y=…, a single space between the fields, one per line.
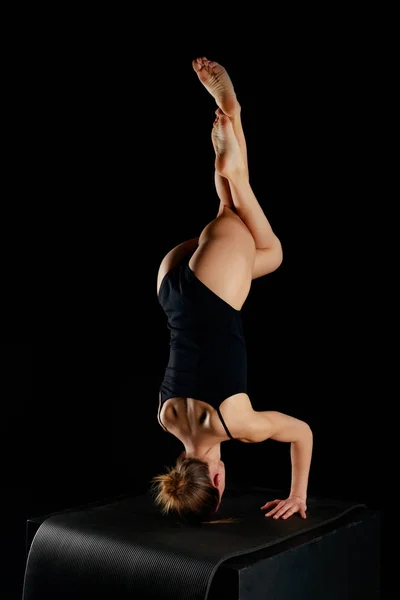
x=228 y=156
x=217 y=81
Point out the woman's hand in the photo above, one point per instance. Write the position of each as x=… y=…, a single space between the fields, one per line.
x=286 y=508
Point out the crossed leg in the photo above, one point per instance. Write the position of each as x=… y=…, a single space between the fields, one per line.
x=233 y=189
x=239 y=244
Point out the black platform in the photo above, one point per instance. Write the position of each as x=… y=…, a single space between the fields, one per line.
x=123 y=548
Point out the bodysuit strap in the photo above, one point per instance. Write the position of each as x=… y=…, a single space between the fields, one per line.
x=223 y=423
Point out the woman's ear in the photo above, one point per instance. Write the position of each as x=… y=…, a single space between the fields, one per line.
x=216 y=480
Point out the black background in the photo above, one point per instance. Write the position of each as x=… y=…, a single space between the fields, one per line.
x=131 y=172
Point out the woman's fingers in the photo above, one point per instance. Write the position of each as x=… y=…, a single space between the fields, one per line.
x=284 y=509
x=276 y=509
x=281 y=511
x=271 y=503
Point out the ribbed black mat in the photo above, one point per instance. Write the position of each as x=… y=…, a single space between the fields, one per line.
x=126 y=549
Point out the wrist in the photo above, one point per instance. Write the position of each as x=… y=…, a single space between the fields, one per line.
x=302 y=497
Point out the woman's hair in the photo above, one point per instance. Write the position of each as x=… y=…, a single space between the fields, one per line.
x=186 y=491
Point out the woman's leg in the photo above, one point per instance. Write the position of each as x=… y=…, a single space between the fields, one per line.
x=230 y=164
x=224 y=258
x=174 y=257
x=221 y=183
x=218 y=83
x=234 y=188
x=224 y=193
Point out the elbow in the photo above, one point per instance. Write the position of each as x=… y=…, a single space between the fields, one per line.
x=303 y=435
x=303 y=432
x=276 y=254
x=307 y=431
x=279 y=252
x=276 y=250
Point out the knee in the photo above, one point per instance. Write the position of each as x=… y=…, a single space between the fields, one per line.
x=231 y=231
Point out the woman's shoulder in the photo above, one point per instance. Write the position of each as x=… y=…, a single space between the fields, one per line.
x=235 y=411
x=238 y=404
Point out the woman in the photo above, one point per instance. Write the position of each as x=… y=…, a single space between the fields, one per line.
x=202 y=286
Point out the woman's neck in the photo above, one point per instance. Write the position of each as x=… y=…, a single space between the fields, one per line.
x=211 y=453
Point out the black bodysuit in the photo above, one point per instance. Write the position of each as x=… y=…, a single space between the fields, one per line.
x=208 y=359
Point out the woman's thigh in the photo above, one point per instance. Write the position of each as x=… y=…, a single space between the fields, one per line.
x=225 y=257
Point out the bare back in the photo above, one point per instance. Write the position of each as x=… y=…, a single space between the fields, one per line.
x=197 y=421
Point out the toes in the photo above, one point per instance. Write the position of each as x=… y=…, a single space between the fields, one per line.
x=197 y=64
x=208 y=63
x=215 y=67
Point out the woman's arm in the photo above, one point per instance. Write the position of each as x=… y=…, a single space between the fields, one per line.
x=283 y=428
x=262 y=425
